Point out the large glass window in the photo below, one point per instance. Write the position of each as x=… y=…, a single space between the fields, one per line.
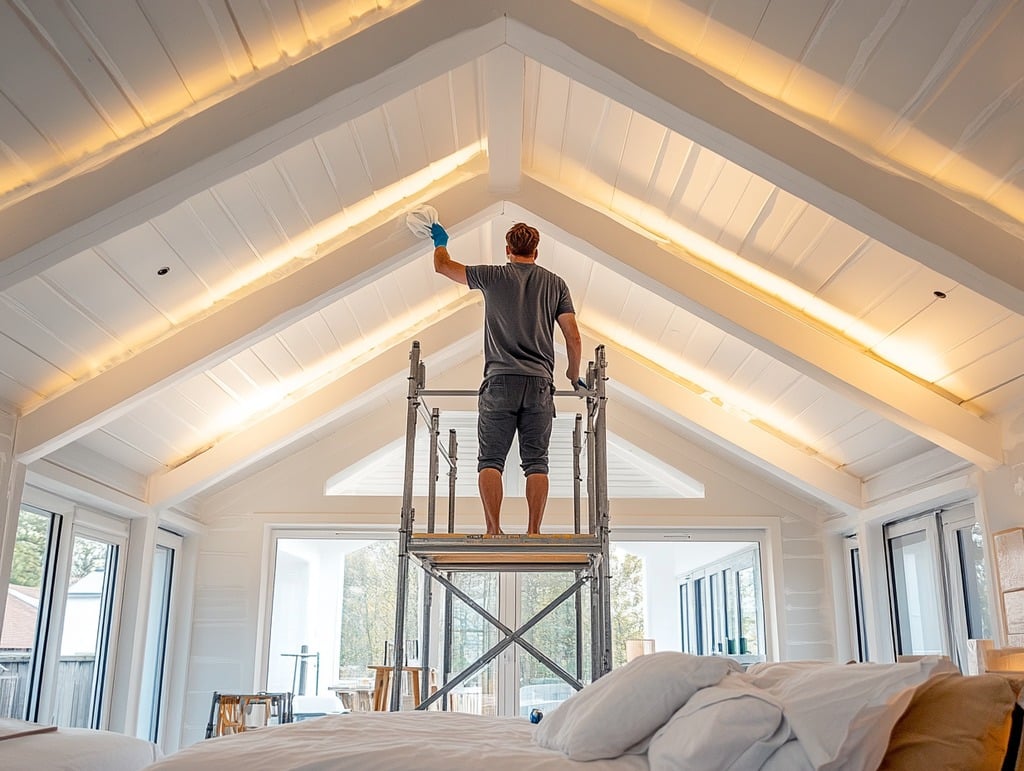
x=724 y=612
x=84 y=648
x=153 y=698
x=31 y=573
x=333 y=614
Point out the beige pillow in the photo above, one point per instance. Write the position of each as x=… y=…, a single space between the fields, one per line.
x=953 y=722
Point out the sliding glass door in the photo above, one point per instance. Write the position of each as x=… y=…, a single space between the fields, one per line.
x=153 y=697
x=938 y=584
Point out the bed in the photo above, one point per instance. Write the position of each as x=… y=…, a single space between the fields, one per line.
x=669 y=712
x=31 y=746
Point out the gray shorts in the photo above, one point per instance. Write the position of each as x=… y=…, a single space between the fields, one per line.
x=515 y=403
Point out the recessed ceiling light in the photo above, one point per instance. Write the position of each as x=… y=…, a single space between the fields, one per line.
x=940 y=294
x=163 y=271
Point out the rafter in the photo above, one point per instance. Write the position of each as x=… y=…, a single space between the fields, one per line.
x=240 y=324
x=504 y=79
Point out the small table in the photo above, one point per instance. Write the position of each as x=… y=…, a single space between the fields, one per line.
x=382 y=684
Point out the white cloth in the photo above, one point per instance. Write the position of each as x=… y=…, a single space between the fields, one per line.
x=420 y=219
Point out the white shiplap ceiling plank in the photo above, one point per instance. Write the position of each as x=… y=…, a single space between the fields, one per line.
x=244 y=208
x=136 y=255
x=434 y=98
x=643 y=148
x=43 y=92
x=277 y=195
x=919 y=221
x=84 y=66
x=23 y=327
x=822 y=260
x=404 y=124
x=371 y=136
x=194 y=246
x=98 y=291
x=778 y=42
x=108 y=446
x=466 y=81
x=143 y=68
x=330 y=174
x=224 y=232
x=747 y=214
x=277 y=358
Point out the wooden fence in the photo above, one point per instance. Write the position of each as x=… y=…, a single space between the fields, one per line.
x=74 y=689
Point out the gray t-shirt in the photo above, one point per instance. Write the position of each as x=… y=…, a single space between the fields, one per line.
x=521 y=303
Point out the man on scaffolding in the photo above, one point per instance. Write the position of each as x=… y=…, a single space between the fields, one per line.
x=522 y=303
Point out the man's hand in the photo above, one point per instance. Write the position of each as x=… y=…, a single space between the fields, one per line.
x=578 y=385
x=439 y=234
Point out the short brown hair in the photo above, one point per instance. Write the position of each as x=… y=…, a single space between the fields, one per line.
x=522 y=240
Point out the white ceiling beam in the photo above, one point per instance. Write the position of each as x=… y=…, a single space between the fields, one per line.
x=505 y=88
x=458 y=328
x=904 y=213
x=369 y=255
x=784 y=335
x=342 y=82
x=740 y=438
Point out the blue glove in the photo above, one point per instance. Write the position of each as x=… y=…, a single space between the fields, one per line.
x=439 y=234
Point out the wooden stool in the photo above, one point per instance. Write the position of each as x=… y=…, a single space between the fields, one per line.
x=382 y=685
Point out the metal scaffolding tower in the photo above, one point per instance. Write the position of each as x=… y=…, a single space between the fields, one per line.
x=584 y=553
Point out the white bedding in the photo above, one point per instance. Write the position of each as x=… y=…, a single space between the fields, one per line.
x=662 y=712
x=77 y=749
x=382 y=741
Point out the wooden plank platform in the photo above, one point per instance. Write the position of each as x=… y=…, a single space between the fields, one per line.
x=510 y=552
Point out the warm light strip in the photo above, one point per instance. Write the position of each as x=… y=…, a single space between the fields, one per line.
x=335 y=365
x=769 y=78
x=654 y=224
x=708 y=387
x=210 y=83
x=320 y=238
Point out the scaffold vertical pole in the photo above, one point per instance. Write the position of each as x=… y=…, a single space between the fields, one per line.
x=417 y=376
x=601 y=491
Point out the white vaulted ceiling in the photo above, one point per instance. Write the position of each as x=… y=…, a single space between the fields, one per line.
x=797 y=227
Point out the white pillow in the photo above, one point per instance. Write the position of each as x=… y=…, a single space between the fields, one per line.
x=732 y=725
x=843 y=713
x=627 y=705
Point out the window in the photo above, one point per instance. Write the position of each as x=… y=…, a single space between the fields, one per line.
x=63 y=605
x=86 y=639
x=724 y=611
x=333 y=612
x=153 y=697
x=938 y=586
x=855 y=587
x=32 y=568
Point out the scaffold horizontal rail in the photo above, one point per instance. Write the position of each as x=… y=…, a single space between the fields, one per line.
x=475 y=392
x=499 y=545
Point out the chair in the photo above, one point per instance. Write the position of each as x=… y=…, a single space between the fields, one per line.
x=382 y=685
x=232 y=713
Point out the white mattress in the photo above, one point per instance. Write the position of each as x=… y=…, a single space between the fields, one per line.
x=77 y=749
x=383 y=741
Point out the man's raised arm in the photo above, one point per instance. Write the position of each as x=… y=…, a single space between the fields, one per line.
x=573 y=345
x=443 y=262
